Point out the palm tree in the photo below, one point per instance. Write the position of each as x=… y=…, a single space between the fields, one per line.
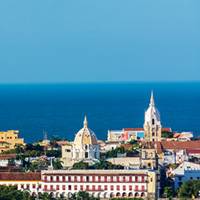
x=57 y=164
x=83 y=195
x=19 y=148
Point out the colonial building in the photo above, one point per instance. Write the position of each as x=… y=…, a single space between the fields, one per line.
x=102 y=183
x=9 y=139
x=152 y=124
x=85 y=147
x=99 y=183
x=31 y=181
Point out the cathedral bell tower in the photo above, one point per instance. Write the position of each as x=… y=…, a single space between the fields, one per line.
x=152 y=124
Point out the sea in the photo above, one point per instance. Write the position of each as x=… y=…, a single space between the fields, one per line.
x=59 y=109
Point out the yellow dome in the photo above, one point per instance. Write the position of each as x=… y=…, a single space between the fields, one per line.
x=85 y=136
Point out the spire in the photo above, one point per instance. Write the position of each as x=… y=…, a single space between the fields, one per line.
x=85 y=122
x=152 y=99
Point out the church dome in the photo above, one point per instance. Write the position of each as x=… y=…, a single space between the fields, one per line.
x=85 y=136
x=152 y=112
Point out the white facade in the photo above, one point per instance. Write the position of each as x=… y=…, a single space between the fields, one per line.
x=174 y=156
x=101 y=183
x=186 y=171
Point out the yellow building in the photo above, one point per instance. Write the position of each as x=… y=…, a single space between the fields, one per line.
x=9 y=139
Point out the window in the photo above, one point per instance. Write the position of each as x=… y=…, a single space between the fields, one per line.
x=63 y=178
x=63 y=187
x=57 y=187
x=57 y=178
x=136 y=188
x=197 y=177
x=40 y=186
x=130 y=187
x=179 y=178
x=153 y=134
x=10 y=137
x=75 y=187
x=124 y=187
x=33 y=186
x=81 y=187
x=69 y=187
x=22 y=185
x=51 y=187
x=86 y=154
x=143 y=188
x=143 y=179
x=67 y=150
x=153 y=121
x=45 y=187
x=111 y=187
x=28 y=186
x=87 y=178
x=191 y=178
x=136 y=179
x=93 y=187
x=151 y=179
x=99 y=188
x=105 y=187
x=118 y=187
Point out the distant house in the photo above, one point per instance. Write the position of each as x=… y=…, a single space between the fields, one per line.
x=184 y=172
x=5 y=158
x=128 y=134
x=175 y=151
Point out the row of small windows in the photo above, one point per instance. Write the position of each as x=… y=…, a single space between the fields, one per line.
x=94 y=179
x=8 y=138
x=95 y=188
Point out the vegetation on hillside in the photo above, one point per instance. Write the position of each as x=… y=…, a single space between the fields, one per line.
x=167 y=134
x=113 y=153
x=102 y=164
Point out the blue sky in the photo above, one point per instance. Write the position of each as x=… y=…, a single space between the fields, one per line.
x=99 y=41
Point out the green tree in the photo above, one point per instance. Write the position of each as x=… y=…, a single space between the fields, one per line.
x=80 y=165
x=57 y=164
x=189 y=188
x=19 y=148
x=170 y=192
x=83 y=195
x=167 y=134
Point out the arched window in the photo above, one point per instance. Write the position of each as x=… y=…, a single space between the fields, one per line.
x=153 y=121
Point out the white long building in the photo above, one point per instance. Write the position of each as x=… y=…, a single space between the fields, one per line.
x=99 y=183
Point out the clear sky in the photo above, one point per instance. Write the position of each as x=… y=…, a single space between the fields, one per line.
x=99 y=40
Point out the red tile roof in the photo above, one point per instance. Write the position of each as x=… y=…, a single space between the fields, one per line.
x=193 y=151
x=177 y=145
x=9 y=168
x=20 y=176
x=142 y=129
x=127 y=147
x=7 y=156
x=133 y=129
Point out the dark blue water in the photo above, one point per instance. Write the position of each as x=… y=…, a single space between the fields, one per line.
x=60 y=108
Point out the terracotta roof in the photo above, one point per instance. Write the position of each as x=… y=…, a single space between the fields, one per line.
x=9 y=168
x=142 y=129
x=61 y=143
x=177 y=145
x=193 y=151
x=133 y=129
x=7 y=156
x=20 y=176
x=127 y=147
x=3 y=142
